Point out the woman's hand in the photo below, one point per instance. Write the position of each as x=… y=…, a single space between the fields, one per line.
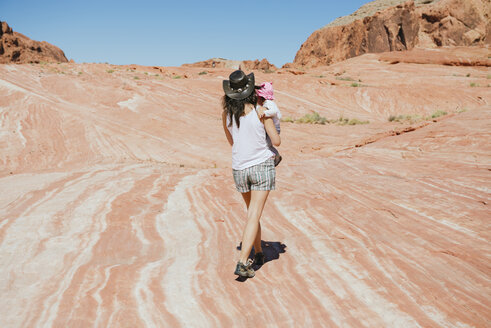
x=271 y=131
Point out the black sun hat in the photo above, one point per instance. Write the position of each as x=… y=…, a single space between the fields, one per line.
x=239 y=85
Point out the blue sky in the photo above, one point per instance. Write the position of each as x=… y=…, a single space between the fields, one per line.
x=170 y=33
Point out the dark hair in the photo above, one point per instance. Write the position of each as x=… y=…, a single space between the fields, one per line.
x=235 y=107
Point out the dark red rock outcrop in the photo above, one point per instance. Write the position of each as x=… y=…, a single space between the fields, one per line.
x=455 y=23
x=215 y=63
x=256 y=64
x=402 y=27
x=18 y=48
x=263 y=64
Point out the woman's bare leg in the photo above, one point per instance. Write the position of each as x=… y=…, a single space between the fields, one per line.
x=257 y=241
x=256 y=206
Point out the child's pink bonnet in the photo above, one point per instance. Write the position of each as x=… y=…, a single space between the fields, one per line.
x=266 y=91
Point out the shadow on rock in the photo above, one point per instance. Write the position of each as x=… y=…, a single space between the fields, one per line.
x=271 y=250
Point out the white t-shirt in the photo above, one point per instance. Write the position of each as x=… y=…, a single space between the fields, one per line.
x=250 y=147
x=274 y=112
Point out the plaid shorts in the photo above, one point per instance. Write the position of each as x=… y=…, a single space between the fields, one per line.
x=258 y=177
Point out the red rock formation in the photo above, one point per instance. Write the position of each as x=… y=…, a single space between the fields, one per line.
x=455 y=23
x=256 y=64
x=234 y=64
x=215 y=63
x=16 y=47
x=403 y=27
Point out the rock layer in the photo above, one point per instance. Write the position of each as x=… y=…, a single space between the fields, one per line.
x=17 y=48
x=403 y=27
x=453 y=56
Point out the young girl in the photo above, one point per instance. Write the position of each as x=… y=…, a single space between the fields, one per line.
x=265 y=99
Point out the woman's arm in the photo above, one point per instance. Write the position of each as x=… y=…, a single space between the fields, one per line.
x=271 y=131
x=227 y=132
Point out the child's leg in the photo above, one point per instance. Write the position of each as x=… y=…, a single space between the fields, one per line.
x=274 y=150
x=277 y=156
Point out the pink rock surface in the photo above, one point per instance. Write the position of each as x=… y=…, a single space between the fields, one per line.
x=118 y=209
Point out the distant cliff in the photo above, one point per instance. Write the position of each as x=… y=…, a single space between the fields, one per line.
x=18 y=48
x=404 y=26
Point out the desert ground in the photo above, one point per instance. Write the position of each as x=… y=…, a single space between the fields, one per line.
x=118 y=207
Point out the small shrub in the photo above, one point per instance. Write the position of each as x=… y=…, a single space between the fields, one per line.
x=415 y=117
x=347 y=121
x=488 y=76
x=355 y=85
x=405 y=118
x=438 y=113
x=319 y=76
x=355 y=121
x=312 y=118
x=268 y=71
x=110 y=71
x=345 y=78
x=136 y=77
x=474 y=85
x=176 y=77
x=80 y=73
x=341 y=120
x=315 y=118
x=203 y=73
x=468 y=75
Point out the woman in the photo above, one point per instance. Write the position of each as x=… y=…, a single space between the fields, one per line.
x=252 y=161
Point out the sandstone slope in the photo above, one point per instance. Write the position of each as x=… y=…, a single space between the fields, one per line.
x=402 y=27
x=117 y=204
x=17 y=48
